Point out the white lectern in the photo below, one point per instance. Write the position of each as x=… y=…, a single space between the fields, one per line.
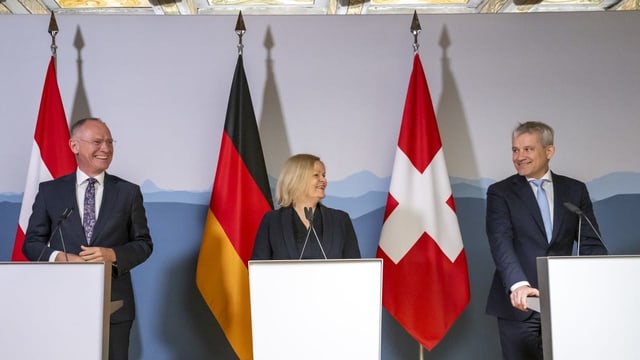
x=54 y=310
x=316 y=309
x=589 y=307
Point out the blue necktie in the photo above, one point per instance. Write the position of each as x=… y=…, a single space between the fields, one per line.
x=89 y=218
x=543 y=204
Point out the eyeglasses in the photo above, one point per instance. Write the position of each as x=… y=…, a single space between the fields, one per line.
x=98 y=143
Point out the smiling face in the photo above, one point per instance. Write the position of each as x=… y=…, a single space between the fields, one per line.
x=92 y=144
x=317 y=184
x=529 y=156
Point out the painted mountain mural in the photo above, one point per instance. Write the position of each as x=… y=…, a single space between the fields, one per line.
x=173 y=320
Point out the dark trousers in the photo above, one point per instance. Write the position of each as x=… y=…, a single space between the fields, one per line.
x=521 y=340
x=119 y=340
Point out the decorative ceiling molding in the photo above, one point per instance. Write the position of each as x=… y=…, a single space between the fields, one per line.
x=308 y=7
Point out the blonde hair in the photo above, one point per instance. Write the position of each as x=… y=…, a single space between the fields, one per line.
x=294 y=176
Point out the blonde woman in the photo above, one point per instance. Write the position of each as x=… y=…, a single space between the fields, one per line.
x=303 y=228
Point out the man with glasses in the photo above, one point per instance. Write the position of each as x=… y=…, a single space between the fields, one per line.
x=109 y=224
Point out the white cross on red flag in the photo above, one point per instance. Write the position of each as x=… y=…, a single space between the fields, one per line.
x=426 y=282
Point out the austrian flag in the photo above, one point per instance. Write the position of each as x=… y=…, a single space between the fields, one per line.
x=51 y=156
x=426 y=282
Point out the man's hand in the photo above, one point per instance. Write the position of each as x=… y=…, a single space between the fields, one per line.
x=62 y=257
x=519 y=296
x=95 y=254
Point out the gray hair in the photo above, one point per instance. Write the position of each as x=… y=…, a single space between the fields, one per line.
x=544 y=131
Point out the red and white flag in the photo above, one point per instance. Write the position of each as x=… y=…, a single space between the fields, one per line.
x=51 y=156
x=426 y=282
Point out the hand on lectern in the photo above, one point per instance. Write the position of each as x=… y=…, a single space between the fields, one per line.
x=68 y=257
x=519 y=296
x=95 y=253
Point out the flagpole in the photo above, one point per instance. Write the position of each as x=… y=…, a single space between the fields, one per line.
x=240 y=30
x=240 y=197
x=415 y=30
x=53 y=31
x=426 y=282
x=51 y=156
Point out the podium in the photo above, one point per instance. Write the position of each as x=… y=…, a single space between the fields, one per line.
x=589 y=307
x=316 y=309
x=55 y=310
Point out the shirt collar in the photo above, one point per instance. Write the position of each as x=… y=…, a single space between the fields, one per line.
x=546 y=176
x=82 y=177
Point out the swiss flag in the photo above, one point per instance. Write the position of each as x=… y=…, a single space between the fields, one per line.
x=426 y=282
x=51 y=156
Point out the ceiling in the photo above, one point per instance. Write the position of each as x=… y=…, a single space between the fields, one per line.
x=302 y=7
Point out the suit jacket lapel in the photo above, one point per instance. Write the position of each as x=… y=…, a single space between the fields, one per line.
x=287 y=231
x=523 y=190
x=328 y=230
x=107 y=207
x=559 y=189
x=68 y=195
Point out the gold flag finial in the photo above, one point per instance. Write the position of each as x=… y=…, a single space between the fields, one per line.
x=415 y=30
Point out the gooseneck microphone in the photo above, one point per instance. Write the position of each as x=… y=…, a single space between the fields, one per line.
x=64 y=216
x=573 y=208
x=576 y=210
x=308 y=213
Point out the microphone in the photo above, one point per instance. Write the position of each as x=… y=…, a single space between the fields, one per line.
x=576 y=210
x=573 y=208
x=308 y=213
x=64 y=216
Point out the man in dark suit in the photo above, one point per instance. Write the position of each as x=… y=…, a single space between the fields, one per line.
x=526 y=219
x=108 y=223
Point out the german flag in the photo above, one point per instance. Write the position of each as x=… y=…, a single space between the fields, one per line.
x=240 y=197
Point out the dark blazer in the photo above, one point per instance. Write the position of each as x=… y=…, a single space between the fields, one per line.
x=121 y=225
x=275 y=239
x=516 y=234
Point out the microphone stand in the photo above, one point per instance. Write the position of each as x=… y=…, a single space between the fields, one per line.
x=304 y=246
x=58 y=228
x=579 y=236
x=576 y=210
x=318 y=240
x=308 y=213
